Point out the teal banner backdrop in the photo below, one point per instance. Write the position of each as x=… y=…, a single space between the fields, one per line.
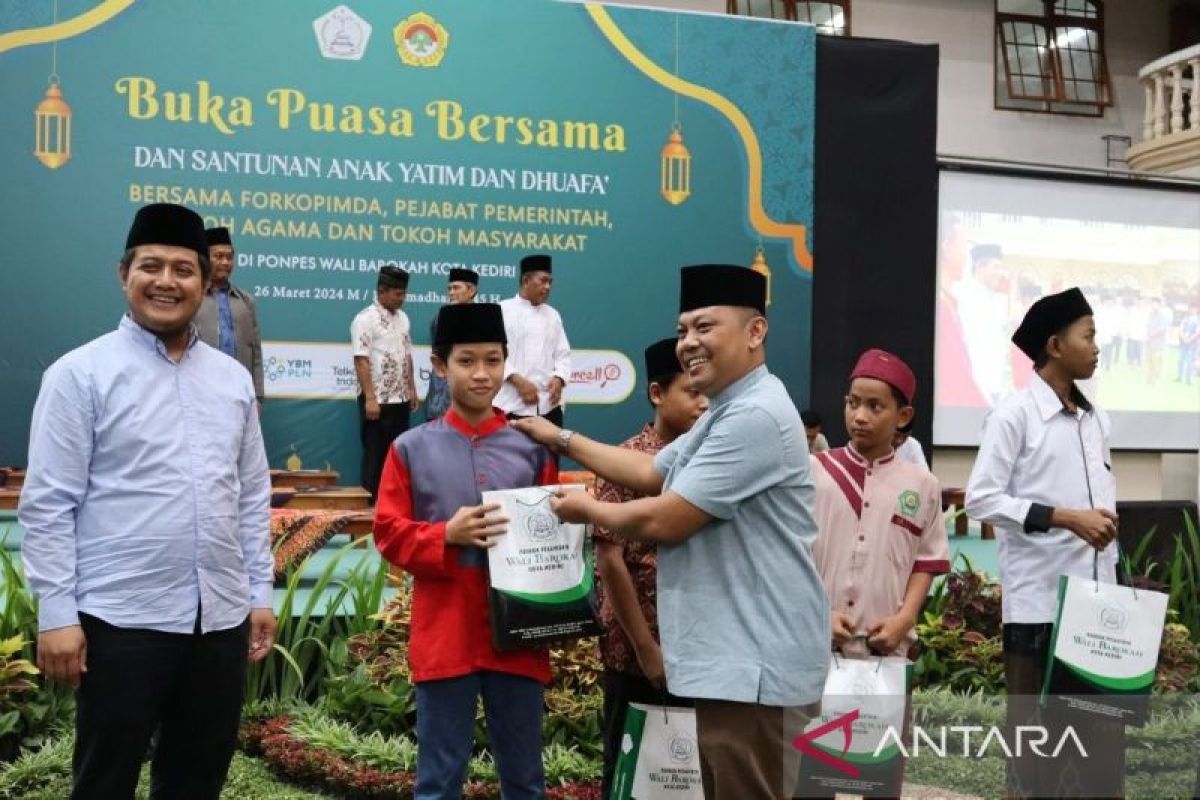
x=332 y=139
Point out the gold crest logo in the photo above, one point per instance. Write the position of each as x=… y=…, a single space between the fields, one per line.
x=421 y=41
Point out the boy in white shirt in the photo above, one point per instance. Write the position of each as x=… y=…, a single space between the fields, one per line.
x=1043 y=477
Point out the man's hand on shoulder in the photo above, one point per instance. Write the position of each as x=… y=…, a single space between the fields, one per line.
x=540 y=429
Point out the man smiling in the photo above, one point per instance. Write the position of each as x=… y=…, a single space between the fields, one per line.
x=742 y=613
x=146 y=511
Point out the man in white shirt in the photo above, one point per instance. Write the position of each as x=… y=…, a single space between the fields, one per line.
x=1044 y=478
x=383 y=363
x=539 y=355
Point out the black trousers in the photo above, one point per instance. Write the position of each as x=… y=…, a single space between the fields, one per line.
x=621 y=689
x=377 y=437
x=188 y=686
x=1100 y=774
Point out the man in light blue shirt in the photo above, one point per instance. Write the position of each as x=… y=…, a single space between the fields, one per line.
x=146 y=514
x=742 y=612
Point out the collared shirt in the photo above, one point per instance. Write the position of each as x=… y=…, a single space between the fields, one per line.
x=147 y=493
x=382 y=336
x=879 y=523
x=1036 y=456
x=538 y=351
x=741 y=609
x=616 y=651
x=226 y=341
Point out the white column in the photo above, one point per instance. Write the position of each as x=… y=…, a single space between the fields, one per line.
x=1176 y=98
x=1148 y=115
x=1194 y=117
x=1160 y=112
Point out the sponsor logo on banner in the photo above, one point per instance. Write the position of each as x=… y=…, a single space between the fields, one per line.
x=322 y=370
x=421 y=41
x=325 y=371
x=600 y=376
x=342 y=34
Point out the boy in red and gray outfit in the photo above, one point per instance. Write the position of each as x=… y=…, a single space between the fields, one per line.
x=430 y=521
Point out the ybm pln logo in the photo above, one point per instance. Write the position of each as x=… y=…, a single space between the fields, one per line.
x=276 y=369
x=421 y=41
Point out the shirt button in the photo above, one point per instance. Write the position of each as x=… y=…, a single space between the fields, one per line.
x=866 y=503
x=868 y=472
x=862 y=538
x=482 y=479
x=476 y=443
x=850 y=602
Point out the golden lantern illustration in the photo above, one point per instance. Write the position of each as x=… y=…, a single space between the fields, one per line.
x=675 y=182
x=676 y=168
x=52 y=143
x=762 y=268
x=52 y=118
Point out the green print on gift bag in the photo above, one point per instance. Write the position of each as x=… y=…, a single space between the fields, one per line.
x=853 y=746
x=1104 y=649
x=540 y=572
x=659 y=755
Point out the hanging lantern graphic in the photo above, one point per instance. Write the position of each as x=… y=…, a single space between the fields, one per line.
x=52 y=143
x=675 y=182
x=762 y=268
x=676 y=168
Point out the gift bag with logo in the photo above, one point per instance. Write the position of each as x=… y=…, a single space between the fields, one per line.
x=854 y=746
x=659 y=756
x=541 y=573
x=1104 y=649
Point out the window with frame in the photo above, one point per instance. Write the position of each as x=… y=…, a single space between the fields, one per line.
x=830 y=18
x=1050 y=57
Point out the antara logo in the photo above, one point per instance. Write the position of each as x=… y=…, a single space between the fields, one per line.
x=939 y=742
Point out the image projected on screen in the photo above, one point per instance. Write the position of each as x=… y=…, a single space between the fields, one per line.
x=1135 y=252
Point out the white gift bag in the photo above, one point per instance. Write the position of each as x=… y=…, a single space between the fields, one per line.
x=852 y=747
x=659 y=758
x=541 y=572
x=1104 y=648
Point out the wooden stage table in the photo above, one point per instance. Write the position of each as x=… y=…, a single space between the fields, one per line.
x=304 y=477
x=9 y=498
x=335 y=498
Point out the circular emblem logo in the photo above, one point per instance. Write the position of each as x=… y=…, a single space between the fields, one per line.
x=681 y=748
x=1113 y=619
x=421 y=41
x=541 y=526
x=910 y=503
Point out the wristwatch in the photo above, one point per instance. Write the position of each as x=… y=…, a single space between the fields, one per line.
x=564 y=440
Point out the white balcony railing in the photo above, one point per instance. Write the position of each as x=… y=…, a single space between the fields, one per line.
x=1170 y=139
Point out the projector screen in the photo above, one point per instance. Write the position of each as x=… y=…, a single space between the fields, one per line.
x=1005 y=240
